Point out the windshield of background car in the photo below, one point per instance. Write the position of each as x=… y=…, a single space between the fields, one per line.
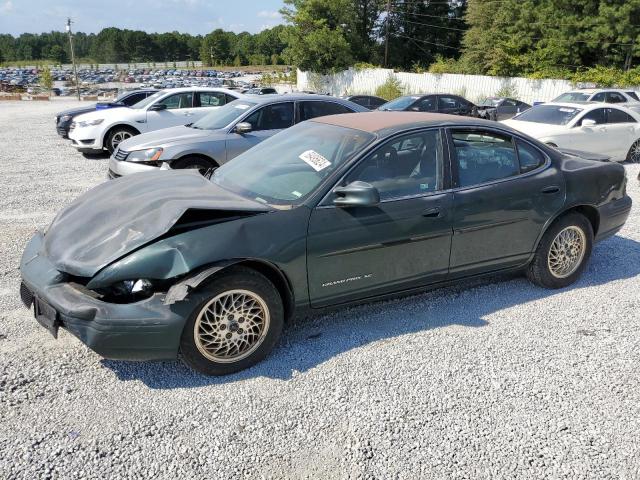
x=399 y=103
x=490 y=102
x=147 y=101
x=286 y=168
x=549 y=114
x=572 y=97
x=223 y=116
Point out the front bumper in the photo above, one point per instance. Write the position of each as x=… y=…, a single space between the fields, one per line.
x=86 y=138
x=119 y=168
x=144 y=330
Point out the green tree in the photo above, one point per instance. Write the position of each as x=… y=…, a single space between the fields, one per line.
x=46 y=79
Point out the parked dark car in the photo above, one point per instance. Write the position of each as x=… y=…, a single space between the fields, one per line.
x=440 y=103
x=335 y=210
x=505 y=107
x=368 y=101
x=65 y=119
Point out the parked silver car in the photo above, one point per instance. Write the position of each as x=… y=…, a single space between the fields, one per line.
x=222 y=134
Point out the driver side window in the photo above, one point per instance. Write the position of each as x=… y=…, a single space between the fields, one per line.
x=411 y=165
x=272 y=117
x=179 y=100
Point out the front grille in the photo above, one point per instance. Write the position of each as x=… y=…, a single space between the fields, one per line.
x=120 y=155
x=25 y=295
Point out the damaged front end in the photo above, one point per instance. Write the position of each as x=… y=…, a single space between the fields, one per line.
x=120 y=274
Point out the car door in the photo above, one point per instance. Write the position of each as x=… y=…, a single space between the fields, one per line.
x=265 y=122
x=621 y=132
x=590 y=138
x=449 y=104
x=178 y=110
x=403 y=242
x=505 y=191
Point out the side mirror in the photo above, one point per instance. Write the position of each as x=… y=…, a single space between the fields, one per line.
x=587 y=122
x=356 y=194
x=243 y=127
x=156 y=107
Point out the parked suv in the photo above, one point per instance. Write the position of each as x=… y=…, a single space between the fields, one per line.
x=607 y=95
x=165 y=108
x=127 y=99
x=222 y=134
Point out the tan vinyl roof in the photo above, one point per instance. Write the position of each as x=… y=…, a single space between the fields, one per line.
x=376 y=121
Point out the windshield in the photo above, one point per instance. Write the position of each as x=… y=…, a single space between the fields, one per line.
x=223 y=116
x=550 y=114
x=288 y=167
x=490 y=102
x=572 y=97
x=150 y=99
x=399 y=103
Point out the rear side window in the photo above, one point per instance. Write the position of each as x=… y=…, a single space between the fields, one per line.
x=272 y=117
x=599 y=97
x=309 y=110
x=211 y=99
x=179 y=100
x=615 y=97
x=618 y=116
x=484 y=156
x=530 y=157
x=633 y=95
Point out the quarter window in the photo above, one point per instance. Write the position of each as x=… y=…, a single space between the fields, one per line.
x=618 y=116
x=309 y=110
x=598 y=97
x=484 y=156
x=530 y=157
x=272 y=117
x=409 y=166
x=179 y=100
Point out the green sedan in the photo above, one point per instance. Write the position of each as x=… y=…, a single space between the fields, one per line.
x=333 y=211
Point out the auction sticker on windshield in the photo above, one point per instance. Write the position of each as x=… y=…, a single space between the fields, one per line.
x=315 y=160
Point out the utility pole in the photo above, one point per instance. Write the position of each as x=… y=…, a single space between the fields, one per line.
x=73 y=57
x=386 y=34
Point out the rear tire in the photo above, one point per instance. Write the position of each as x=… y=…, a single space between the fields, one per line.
x=198 y=163
x=634 y=153
x=235 y=326
x=563 y=252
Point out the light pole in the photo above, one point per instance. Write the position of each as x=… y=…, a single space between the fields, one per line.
x=73 y=57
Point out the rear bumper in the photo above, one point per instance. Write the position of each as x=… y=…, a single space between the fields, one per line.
x=613 y=216
x=144 y=330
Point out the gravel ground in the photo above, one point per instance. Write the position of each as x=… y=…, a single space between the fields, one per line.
x=497 y=379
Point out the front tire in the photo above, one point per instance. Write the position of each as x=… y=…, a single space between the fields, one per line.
x=562 y=253
x=118 y=135
x=236 y=325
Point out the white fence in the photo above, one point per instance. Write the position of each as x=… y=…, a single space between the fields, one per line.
x=473 y=87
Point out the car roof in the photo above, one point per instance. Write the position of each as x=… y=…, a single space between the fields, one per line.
x=199 y=89
x=587 y=105
x=292 y=97
x=387 y=123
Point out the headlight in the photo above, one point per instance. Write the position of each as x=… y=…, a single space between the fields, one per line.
x=150 y=155
x=90 y=123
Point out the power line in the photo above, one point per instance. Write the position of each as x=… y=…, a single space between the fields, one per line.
x=430 y=43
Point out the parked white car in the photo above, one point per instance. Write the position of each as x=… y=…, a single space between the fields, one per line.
x=592 y=127
x=166 y=108
x=628 y=98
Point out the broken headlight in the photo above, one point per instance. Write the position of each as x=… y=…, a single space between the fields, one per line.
x=127 y=291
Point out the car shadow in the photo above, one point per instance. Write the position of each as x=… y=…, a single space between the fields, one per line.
x=103 y=155
x=315 y=339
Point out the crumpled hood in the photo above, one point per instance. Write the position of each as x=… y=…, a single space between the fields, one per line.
x=119 y=216
x=169 y=137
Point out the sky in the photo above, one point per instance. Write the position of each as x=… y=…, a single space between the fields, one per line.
x=185 y=16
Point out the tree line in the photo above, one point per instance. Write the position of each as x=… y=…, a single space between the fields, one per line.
x=545 y=38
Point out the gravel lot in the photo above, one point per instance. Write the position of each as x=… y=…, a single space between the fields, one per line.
x=498 y=379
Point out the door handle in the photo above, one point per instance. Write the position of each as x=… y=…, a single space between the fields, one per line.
x=551 y=189
x=431 y=212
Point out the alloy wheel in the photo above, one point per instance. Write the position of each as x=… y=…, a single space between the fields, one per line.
x=634 y=153
x=119 y=137
x=231 y=326
x=566 y=252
